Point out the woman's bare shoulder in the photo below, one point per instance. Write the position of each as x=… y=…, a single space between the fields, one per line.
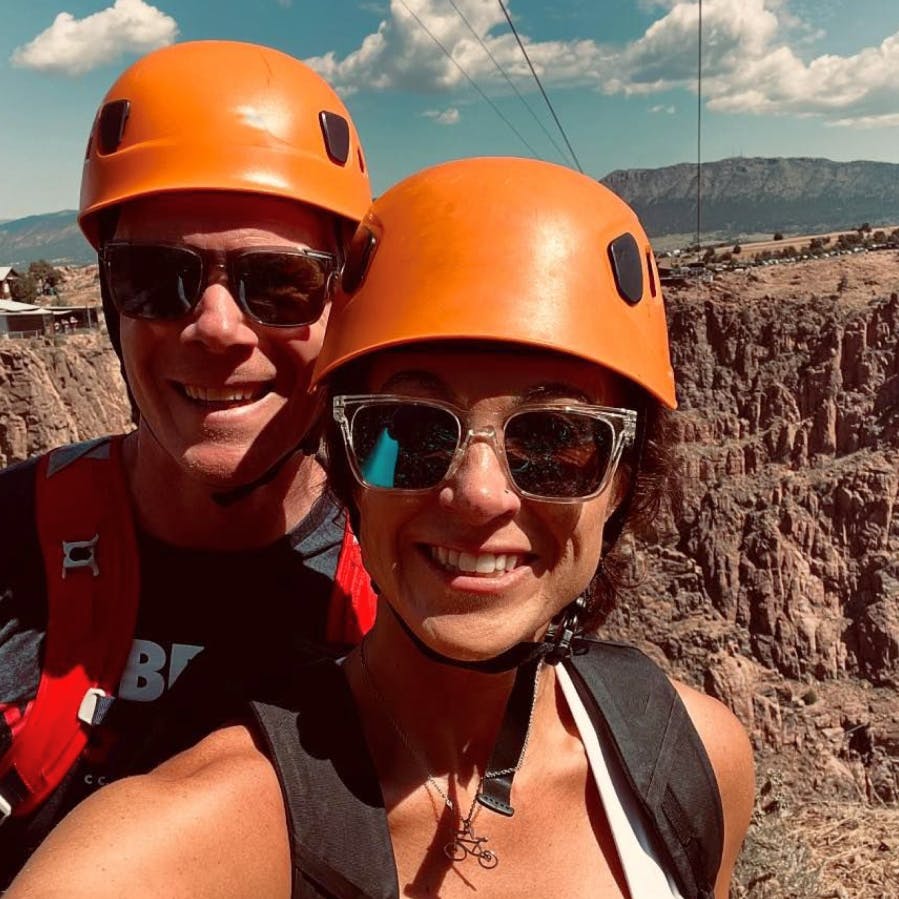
x=208 y=822
x=730 y=752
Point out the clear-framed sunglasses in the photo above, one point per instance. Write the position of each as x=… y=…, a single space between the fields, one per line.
x=551 y=452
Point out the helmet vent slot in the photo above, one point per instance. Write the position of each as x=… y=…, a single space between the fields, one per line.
x=651 y=270
x=359 y=257
x=627 y=267
x=111 y=125
x=336 y=132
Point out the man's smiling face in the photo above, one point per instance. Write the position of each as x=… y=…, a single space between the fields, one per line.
x=224 y=396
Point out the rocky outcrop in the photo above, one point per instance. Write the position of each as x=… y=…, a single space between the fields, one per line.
x=58 y=390
x=791 y=430
x=776 y=581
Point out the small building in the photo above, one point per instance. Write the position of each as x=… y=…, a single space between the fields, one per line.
x=7 y=274
x=75 y=318
x=24 y=319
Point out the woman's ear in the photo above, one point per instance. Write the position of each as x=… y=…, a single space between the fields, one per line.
x=620 y=496
x=620 y=489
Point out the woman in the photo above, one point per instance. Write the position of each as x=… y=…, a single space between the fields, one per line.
x=499 y=370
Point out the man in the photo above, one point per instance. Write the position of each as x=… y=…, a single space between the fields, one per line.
x=221 y=182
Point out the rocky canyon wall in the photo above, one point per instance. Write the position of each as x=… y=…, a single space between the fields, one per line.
x=775 y=582
x=58 y=390
x=789 y=421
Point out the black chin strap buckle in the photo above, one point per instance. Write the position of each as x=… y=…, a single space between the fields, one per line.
x=562 y=636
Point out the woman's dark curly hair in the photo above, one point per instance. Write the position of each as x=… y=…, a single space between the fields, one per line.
x=647 y=493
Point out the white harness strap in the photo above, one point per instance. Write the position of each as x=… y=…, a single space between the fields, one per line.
x=646 y=879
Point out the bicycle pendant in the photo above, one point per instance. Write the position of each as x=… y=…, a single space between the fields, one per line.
x=465 y=843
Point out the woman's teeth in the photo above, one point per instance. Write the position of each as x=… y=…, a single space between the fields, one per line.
x=482 y=563
x=219 y=394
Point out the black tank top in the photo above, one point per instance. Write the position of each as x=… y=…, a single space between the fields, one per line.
x=340 y=841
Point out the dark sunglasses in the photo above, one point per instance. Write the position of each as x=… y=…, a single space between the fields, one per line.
x=551 y=452
x=280 y=286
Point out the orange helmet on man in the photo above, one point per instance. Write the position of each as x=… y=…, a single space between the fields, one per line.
x=224 y=116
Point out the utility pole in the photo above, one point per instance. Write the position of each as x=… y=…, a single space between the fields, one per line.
x=699 y=131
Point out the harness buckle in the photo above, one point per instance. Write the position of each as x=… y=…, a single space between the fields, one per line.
x=94 y=705
x=80 y=554
x=563 y=634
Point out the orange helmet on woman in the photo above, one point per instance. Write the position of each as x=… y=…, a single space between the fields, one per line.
x=514 y=251
x=224 y=116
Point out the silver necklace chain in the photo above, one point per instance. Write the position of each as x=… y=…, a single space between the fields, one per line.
x=464 y=842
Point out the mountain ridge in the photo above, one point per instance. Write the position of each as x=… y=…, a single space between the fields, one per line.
x=743 y=195
x=53 y=236
x=740 y=196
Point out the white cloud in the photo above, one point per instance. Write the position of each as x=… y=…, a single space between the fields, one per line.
x=668 y=110
x=75 y=46
x=750 y=67
x=751 y=59
x=449 y=116
x=404 y=52
x=890 y=120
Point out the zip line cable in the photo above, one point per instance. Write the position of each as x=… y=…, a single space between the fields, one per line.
x=470 y=80
x=524 y=52
x=509 y=81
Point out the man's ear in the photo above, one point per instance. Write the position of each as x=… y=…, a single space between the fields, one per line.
x=315 y=422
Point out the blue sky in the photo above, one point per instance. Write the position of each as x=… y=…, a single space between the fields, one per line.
x=780 y=78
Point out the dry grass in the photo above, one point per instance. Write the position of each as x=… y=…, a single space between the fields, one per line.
x=818 y=850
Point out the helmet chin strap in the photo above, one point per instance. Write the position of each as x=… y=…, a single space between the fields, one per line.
x=561 y=640
x=224 y=498
x=308 y=446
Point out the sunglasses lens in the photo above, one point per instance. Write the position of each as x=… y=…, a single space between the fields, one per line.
x=155 y=282
x=281 y=288
x=405 y=446
x=563 y=455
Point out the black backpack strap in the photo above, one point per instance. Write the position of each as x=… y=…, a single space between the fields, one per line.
x=634 y=706
x=340 y=843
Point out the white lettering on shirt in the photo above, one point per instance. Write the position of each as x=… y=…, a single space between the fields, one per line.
x=145 y=677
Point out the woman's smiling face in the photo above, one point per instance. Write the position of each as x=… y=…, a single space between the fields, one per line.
x=472 y=567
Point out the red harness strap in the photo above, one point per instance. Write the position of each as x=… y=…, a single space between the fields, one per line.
x=91 y=567
x=353 y=600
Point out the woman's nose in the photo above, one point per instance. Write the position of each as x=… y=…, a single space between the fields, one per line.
x=479 y=488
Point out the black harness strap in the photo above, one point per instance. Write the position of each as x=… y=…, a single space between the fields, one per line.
x=635 y=707
x=496 y=790
x=340 y=842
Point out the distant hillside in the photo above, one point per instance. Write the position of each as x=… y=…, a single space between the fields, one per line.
x=739 y=197
x=745 y=196
x=54 y=236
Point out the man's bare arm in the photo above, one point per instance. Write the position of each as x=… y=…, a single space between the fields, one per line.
x=209 y=823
